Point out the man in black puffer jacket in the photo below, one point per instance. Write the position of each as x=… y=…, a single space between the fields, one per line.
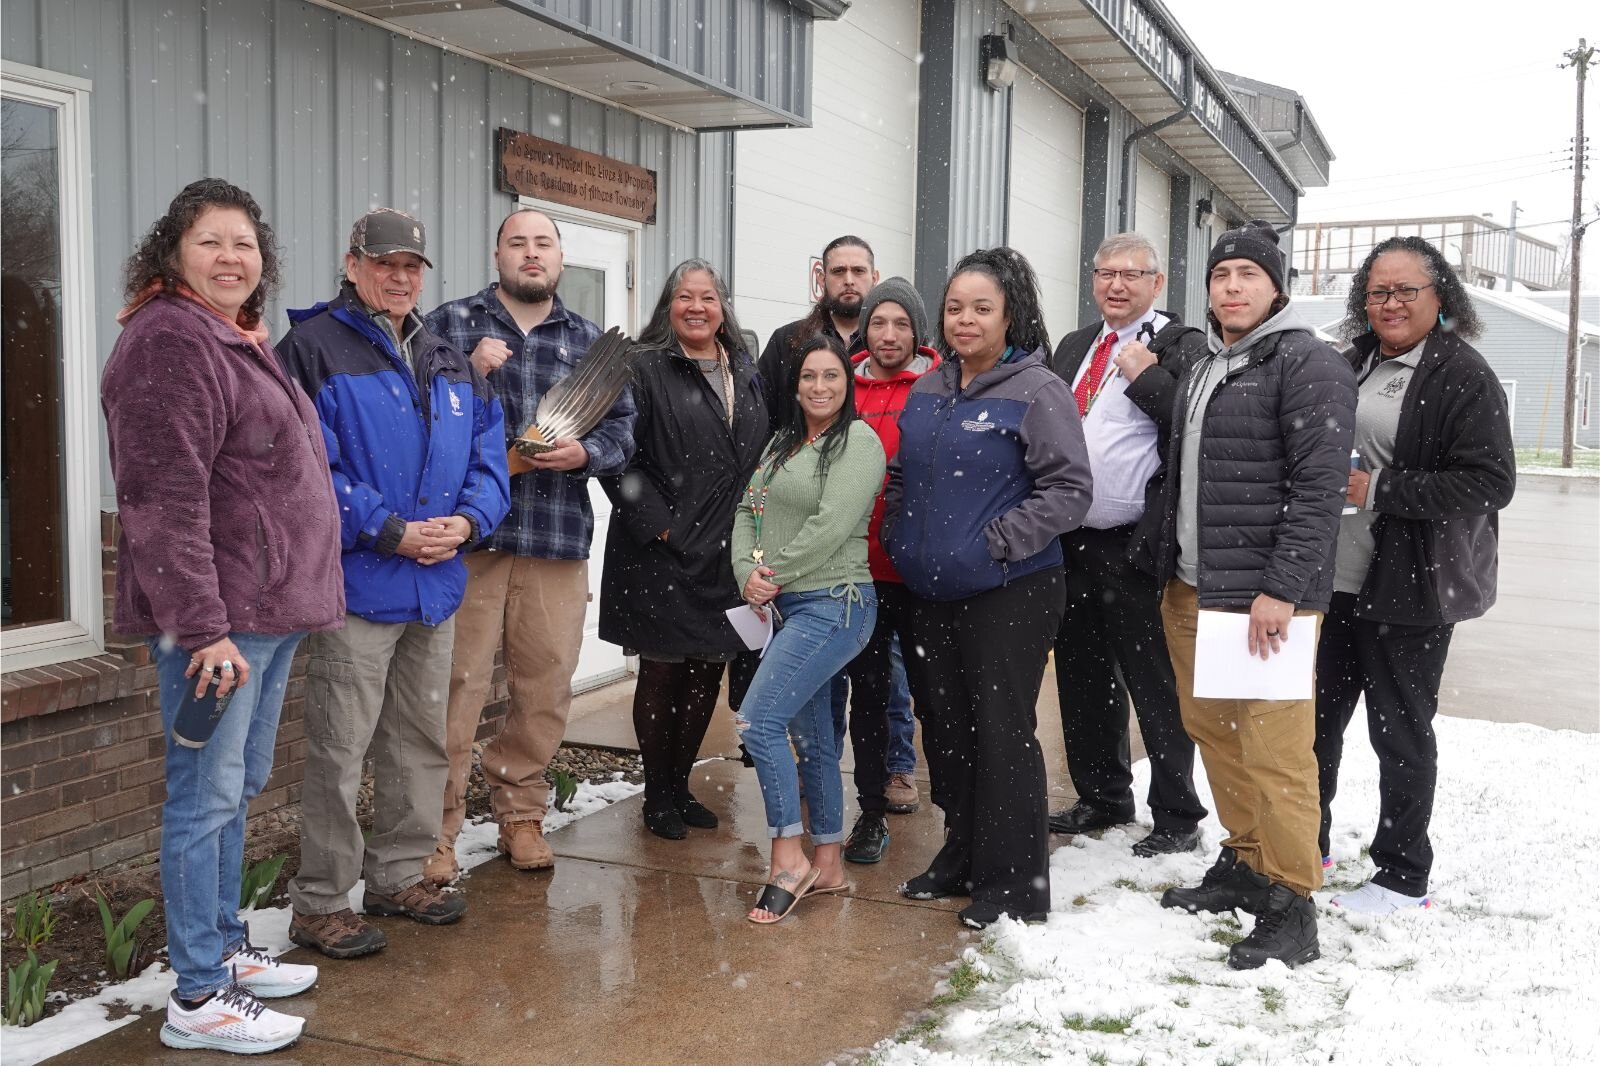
x=1258 y=462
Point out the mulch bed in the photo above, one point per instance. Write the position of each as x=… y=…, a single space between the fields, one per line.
x=79 y=939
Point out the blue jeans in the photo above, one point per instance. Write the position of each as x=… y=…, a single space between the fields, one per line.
x=902 y=726
x=790 y=698
x=208 y=791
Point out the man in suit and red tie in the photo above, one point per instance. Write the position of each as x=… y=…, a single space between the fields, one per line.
x=1123 y=370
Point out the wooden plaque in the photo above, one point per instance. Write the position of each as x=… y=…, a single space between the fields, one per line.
x=545 y=170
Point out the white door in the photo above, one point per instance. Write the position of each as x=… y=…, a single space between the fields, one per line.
x=1046 y=203
x=1152 y=208
x=594 y=284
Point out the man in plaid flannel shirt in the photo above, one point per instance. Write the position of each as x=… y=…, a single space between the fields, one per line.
x=529 y=582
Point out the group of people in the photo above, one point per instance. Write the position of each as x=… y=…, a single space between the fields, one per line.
x=924 y=508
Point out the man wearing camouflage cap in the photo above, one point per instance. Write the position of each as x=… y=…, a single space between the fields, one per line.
x=416 y=443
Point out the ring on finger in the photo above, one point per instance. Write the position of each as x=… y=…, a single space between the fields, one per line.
x=227 y=666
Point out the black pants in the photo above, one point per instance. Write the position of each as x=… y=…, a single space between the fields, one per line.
x=1398 y=668
x=672 y=707
x=1110 y=644
x=975 y=667
x=870 y=681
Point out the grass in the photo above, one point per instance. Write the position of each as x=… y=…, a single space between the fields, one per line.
x=1535 y=458
x=1079 y=1024
x=1272 y=1000
x=964 y=980
x=1227 y=932
x=1080 y=901
x=917 y=1031
x=1182 y=979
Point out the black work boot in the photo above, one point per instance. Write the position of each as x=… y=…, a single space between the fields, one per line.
x=1228 y=884
x=1286 y=930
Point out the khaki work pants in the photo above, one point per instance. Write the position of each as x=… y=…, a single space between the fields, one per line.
x=537 y=605
x=372 y=689
x=1258 y=754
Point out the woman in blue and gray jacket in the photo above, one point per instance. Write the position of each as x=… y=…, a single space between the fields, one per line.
x=991 y=470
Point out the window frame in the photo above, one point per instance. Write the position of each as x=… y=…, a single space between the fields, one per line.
x=82 y=633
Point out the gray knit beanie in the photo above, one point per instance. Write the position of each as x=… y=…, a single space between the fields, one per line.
x=897 y=291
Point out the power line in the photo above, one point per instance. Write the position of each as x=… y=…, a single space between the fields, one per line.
x=1524 y=170
x=1477 y=164
x=1399 y=195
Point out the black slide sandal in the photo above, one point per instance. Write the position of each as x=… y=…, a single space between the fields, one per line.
x=780 y=901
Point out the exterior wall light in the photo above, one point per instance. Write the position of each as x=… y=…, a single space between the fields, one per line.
x=997 y=60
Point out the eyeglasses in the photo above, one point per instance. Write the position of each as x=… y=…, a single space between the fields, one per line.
x=1128 y=276
x=1405 y=294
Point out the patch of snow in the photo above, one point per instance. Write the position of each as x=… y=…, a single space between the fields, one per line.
x=1500 y=969
x=87 y=1019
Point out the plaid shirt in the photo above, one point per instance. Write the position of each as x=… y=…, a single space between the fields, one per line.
x=550 y=513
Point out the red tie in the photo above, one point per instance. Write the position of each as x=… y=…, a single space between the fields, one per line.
x=1089 y=384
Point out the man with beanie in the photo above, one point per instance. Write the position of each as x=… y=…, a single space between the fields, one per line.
x=895 y=325
x=1264 y=422
x=416 y=442
x=1123 y=370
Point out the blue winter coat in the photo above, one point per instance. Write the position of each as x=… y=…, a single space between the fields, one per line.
x=399 y=452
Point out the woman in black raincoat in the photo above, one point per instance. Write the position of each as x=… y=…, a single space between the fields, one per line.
x=668 y=577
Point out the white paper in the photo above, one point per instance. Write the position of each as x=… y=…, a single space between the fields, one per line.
x=755 y=631
x=1225 y=669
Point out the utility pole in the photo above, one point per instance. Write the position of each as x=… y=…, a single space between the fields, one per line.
x=1511 y=248
x=1579 y=59
x=1316 y=259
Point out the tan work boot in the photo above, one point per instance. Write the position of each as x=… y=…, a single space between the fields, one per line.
x=441 y=867
x=901 y=794
x=523 y=842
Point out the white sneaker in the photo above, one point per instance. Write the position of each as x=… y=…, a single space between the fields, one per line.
x=232 y=1020
x=266 y=977
x=1375 y=899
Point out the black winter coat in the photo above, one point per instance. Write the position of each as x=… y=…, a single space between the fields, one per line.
x=1274 y=465
x=688 y=469
x=1437 y=535
x=1154 y=392
x=776 y=366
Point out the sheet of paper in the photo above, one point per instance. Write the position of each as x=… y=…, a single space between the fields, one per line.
x=755 y=631
x=1225 y=669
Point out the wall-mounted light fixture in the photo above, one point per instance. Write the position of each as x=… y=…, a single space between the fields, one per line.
x=997 y=61
x=1205 y=214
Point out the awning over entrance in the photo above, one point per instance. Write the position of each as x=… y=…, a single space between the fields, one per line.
x=1136 y=51
x=750 y=69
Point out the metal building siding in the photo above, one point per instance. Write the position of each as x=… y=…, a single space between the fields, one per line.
x=322 y=117
x=1533 y=355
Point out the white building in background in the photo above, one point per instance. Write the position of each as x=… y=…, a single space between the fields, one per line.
x=1326 y=254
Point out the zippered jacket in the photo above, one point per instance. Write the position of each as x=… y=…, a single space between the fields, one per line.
x=1436 y=538
x=406 y=442
x=986 y=478
x=879 y=404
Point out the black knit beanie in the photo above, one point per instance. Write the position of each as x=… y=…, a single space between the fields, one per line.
x=902 y=292
x=1256 y=241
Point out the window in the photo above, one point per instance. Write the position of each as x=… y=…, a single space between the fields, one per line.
x=49 y=520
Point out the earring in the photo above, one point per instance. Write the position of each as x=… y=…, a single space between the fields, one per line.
x=1441 y=318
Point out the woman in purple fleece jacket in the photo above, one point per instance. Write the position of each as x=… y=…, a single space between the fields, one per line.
x=228 y=555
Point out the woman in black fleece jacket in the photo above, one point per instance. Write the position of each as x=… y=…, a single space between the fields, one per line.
x=1419 y=553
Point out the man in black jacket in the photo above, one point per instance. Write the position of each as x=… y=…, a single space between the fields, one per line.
x=1259 y=462
x=1123 y=371
x=848 y=274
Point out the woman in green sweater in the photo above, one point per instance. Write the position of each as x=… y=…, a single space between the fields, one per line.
x=800 y=547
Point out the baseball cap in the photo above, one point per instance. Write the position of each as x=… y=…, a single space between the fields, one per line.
x=385 y=230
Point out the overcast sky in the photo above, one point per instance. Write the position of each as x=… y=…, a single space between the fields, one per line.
x=1431 y=108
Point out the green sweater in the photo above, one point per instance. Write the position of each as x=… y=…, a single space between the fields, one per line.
x=814 y=532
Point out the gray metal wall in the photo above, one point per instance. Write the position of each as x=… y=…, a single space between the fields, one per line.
x=321 y=117
x=1535 y=356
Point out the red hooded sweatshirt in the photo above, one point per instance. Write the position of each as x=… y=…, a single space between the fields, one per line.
x=879 y=403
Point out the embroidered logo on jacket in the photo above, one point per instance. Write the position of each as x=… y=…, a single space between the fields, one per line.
x=455 y=403
x=980 y=424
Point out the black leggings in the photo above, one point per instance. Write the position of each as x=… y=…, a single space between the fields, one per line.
x=672 y=708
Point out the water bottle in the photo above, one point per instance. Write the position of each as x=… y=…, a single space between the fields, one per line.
x=198 y=716
x=1355 y=464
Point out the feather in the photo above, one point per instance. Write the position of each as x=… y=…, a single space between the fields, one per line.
x=577 y=403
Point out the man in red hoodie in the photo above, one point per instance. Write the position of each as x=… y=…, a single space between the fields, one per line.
x=894 y=324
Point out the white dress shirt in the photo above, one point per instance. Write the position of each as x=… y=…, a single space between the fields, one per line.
x=1123 y=455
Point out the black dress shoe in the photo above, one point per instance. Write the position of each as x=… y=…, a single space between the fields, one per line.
x=868 y=840
x=1083 y=818
x=1167 y=842
x=1286 y=930
x=926 y=886
x=667 y=824
x=695 y=814
x=981 y=914
x=1227 y=885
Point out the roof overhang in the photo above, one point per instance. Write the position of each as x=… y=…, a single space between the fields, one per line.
x=528 y=37
x=1134 y=50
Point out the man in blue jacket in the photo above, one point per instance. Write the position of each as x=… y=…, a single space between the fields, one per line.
x=416 y=442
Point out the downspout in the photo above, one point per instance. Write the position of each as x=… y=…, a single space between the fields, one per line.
x=1125 y=205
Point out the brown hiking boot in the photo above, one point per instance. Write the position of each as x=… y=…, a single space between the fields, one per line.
x=523 y=841
x=340 y=935
x=901 y=795
x=421 y=902
x=441 y=867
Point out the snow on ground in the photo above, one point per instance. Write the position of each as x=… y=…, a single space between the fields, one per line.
x=88 y=1019
x=1502 y=969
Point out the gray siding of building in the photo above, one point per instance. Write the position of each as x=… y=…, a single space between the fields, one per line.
x=1534 y=355
x=321 y=117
